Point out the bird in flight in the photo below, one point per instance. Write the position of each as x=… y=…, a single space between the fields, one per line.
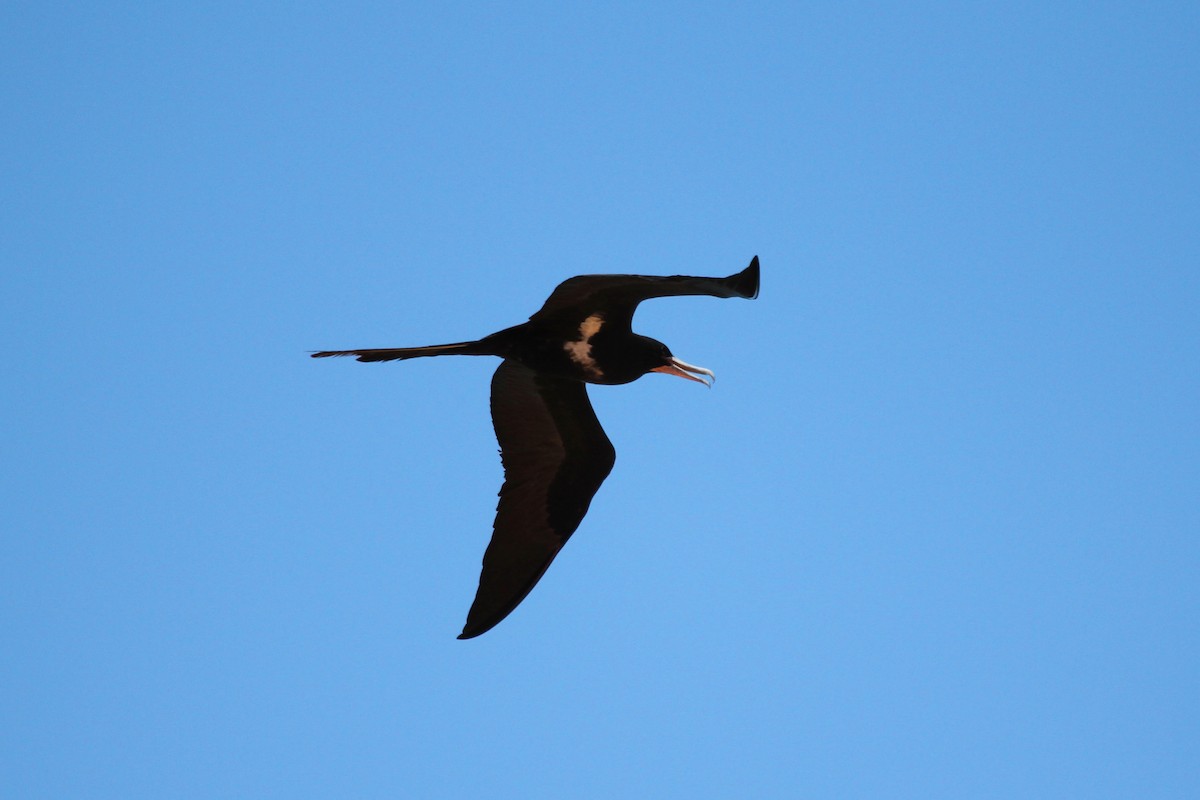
x=554 y=452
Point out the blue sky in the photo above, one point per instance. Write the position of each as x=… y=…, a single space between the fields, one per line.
x=932 y=535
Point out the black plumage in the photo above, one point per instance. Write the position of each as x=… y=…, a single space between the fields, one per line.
x=555 y=452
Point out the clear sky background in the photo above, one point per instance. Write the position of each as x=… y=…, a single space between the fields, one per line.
x=933 y=534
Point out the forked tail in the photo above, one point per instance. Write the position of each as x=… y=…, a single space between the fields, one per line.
x=401 y=353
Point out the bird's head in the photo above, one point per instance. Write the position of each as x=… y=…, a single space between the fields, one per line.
x=668 y=364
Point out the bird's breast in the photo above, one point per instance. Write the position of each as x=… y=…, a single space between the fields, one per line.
x=579 y=350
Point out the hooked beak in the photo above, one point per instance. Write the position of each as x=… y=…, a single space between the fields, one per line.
x=682 y=368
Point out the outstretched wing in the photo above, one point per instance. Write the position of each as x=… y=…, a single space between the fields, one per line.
x=617 y=296
x=555 y=457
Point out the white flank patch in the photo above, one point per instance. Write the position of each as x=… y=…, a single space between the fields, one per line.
x=580 y=350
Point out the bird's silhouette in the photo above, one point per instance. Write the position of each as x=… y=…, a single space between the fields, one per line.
x=555 y=453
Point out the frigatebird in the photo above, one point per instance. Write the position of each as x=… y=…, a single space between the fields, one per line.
x=554 y=452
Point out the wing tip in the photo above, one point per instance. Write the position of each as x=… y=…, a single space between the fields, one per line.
x=474 y=629
x=745 y=283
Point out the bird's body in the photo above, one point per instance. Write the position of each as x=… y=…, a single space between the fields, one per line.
x=554 y=451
